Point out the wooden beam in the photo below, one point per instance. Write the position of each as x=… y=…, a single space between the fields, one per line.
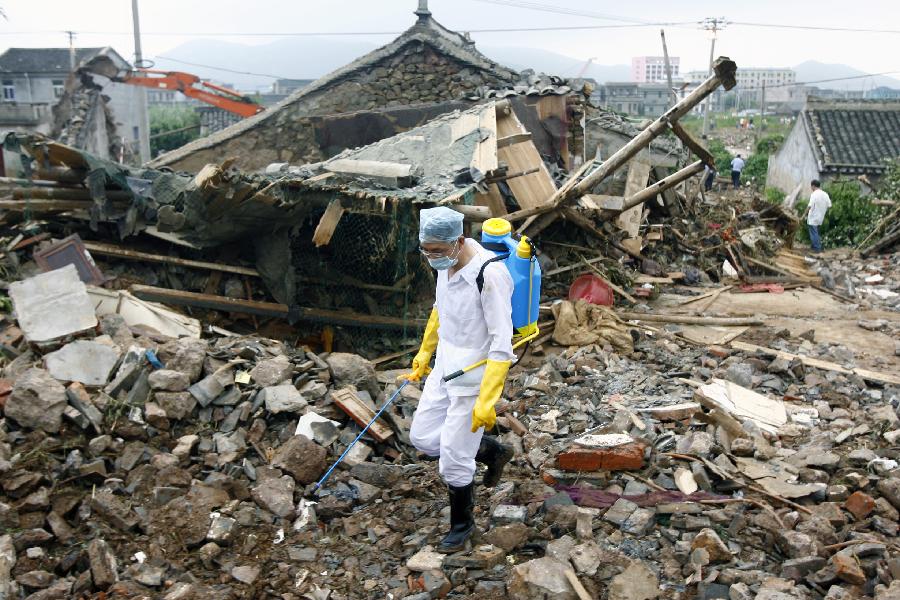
x=693 y=144
x=688 y=319
x=884 y=378
x=269 y=309
x=516 y=138
x=119 y=252
x=663 y=184
x=473 y=213
x=328 y=223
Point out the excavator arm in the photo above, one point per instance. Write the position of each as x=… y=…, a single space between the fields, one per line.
x=186 y=83
x=192 y=87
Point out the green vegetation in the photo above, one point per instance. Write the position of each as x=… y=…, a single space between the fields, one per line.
x=178 y=124
x=719 y=122
x=849 y=219
x=889 y=185
x=774 y=195
x=721 y=155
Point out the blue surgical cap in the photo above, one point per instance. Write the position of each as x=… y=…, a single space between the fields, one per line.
x=440 y=224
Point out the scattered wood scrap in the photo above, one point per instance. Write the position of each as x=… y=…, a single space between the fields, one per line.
x=769 y=414
x=883 y=378
x=347 y=400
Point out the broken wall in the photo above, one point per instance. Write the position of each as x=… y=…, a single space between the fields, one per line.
x=417 y=73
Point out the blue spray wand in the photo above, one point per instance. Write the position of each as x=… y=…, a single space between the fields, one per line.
x=361 y=433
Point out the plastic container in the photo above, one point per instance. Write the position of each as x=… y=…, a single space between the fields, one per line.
x=591 y=288
x=524 y=269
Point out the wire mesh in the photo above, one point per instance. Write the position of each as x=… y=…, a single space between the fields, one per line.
x=371 y=266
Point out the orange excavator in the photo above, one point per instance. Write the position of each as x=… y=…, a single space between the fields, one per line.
x=186 y=83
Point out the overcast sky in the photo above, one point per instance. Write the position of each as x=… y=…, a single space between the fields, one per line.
x=42 y=23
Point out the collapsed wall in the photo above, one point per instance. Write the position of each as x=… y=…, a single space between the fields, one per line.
x=427 y=64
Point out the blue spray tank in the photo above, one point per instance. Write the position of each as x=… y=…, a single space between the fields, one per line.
x=523 y=266
x=496 y=236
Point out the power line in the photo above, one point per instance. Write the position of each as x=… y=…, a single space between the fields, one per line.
x=813 y=27
x=560 y=10
x=193 y=64
x=798 y=83
x=349 y=33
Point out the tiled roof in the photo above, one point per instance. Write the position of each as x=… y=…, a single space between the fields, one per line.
x=42 y=60
x=853 y=136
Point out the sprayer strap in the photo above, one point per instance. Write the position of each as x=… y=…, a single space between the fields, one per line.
x=479 y=281
x=495 y=247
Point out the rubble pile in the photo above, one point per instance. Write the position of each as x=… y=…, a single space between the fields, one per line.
x=142 y=465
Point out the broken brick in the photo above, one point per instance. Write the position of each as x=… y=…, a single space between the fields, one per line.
x=860 y=505
x=847 y=569
x=617 y=458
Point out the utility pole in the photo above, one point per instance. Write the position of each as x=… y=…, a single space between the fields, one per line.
x=762 y=111
x=714 y=24
x=143 y=118
x=71 y=35
x=671 y=94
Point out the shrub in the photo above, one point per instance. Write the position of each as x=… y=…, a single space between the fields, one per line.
x=721 y=155
x=756 y=169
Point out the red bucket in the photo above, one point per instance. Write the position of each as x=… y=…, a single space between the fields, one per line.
x=591 y=288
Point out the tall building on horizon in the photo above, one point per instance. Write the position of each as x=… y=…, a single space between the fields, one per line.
x=652 y=69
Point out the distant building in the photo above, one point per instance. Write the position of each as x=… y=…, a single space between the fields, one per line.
x=751 y=78
x=652 y=69
x=638 y=99
x=34 y=79
x=837 y=138
x=286 y=87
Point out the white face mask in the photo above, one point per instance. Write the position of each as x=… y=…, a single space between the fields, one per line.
x=442 y=263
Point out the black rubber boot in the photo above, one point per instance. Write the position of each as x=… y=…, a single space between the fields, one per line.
x=494 y=456
x=462 y=523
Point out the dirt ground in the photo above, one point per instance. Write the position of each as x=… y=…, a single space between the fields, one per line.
x=802 y=309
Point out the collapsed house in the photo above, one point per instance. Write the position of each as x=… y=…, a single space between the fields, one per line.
x=335 y=241
x=421 y=74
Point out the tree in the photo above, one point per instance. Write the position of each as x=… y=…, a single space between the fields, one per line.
x=172 y=127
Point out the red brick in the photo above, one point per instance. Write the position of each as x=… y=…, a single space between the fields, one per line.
x=860 y=505
x=618 y=458
x=719 y=351
x=848 y=569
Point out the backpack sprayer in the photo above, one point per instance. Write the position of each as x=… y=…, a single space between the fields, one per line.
x=521 y=261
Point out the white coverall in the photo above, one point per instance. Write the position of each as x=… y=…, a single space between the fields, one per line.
x=472 y=327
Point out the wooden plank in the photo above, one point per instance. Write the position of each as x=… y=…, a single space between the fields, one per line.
x=606 y=202
x=485 y=156
x=387 y=173
x=492 y=199
x=638 y=172
x=866 y=374
x=532 y=190
x=768 y=413
x=690 y=319
x=270 y=309
x=347 y=400
x=516 y=138
x=328 y=223
x=119 y=252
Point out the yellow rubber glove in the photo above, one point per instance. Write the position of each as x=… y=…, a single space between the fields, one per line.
x=492 y=381
x=420 y=366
